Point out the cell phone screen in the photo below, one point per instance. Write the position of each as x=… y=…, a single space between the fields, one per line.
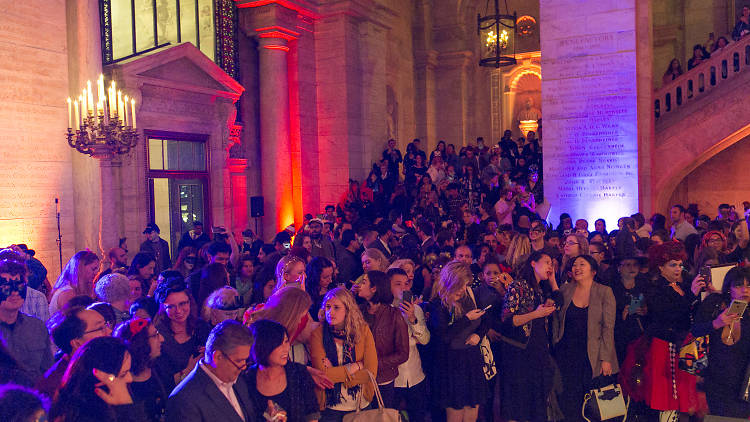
x=737 y=307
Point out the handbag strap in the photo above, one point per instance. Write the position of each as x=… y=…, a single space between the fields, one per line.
x=589 y=396
x=376 y=389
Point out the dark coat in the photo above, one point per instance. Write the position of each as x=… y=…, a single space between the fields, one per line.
x=197 y=399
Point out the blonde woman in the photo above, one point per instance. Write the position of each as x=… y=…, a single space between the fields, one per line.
x=76 y=279
x=290 y=271
x=456 y=327
x=372 y=260
x=290 y=307
x=518 y=251
x=344 y=349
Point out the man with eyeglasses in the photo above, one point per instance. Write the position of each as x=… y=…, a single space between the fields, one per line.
x=70 y=329
x=536 y=235
x=25 y=336
x=214 y=390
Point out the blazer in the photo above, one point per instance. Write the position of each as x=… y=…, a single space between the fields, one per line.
x=601 y=324
x=364 y=351
x=197 y=399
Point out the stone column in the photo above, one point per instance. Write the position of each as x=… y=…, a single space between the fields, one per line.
x=275 y=145
x=590 y=106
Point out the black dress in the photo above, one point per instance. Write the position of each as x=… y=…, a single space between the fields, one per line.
x=152 y=396
x=527 y=366
x=726 y=364
x=573 y=360
x=458 y=376
x=298 y=398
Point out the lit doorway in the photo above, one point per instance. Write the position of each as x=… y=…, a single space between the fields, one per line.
x=178 y=184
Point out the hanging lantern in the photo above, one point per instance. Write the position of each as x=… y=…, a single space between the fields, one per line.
x=496 y=34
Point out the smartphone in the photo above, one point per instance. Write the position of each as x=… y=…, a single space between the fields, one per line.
x=705 y=272
x=407 y=296
x=737 y=307
x=635 y=304
x=486 y=308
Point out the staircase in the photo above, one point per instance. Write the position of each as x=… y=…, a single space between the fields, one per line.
x=699 y=114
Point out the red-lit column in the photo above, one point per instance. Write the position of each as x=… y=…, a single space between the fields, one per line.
x=275 y=141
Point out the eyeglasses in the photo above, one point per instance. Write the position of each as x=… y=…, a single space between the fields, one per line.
x=156 y=334
x=239 y=368
x=570 y=243
x=102 y=328
x=191 y=260
x=597 y=253
x=182 y=304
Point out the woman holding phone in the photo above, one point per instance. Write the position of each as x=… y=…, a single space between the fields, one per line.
x=528 y=367
x=722 y=317
x=457 y=326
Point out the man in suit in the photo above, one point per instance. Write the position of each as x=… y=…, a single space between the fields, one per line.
x=213 y=391
x=384 y=235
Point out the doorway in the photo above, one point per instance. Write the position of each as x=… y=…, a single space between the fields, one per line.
x=178 y=184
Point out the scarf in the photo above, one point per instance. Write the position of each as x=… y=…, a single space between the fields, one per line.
x=333 y=395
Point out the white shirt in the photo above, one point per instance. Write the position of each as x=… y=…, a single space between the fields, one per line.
x=410 y=373
x=348 y=402
x=226 y=388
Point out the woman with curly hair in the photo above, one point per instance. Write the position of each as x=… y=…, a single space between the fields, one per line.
x=344 y=349
x=456 y=326
x=669 y=304
x=144 y=345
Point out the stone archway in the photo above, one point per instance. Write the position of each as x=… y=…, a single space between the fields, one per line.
x=671 y=189
x=720 y=178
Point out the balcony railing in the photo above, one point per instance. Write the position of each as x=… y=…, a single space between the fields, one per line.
x=721 y=67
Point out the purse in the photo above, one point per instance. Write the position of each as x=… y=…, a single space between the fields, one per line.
x=606 y=403
x=381 y=414
x=489 y=368
x=694 y=356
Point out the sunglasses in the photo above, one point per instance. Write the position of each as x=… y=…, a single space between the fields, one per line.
x=191 y=260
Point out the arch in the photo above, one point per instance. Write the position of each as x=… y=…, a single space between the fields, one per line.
x=671 y=181
x=523 y=70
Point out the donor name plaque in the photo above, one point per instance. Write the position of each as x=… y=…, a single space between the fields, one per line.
x=590 y=139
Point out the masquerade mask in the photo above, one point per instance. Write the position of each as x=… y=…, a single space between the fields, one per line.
x=7 y=287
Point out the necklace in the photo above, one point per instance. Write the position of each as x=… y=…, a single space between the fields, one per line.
x=729 y=335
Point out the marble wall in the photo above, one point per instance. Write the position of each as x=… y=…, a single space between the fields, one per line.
x=589 y=99
x=36 y=158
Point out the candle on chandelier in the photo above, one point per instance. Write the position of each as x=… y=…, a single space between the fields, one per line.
x=125 y=111
x=70 y=113
x=90 y=98
x=119 y=105
x=132 y=112
x=76 y=125
x=110 y=103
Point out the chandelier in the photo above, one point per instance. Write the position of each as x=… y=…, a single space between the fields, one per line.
x=495 y=31
x=104 y=127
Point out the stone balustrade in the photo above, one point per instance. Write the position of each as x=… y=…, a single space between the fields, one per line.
x=720 y=68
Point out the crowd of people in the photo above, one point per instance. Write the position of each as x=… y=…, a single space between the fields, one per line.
x=435 y=282
x=702 y=52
